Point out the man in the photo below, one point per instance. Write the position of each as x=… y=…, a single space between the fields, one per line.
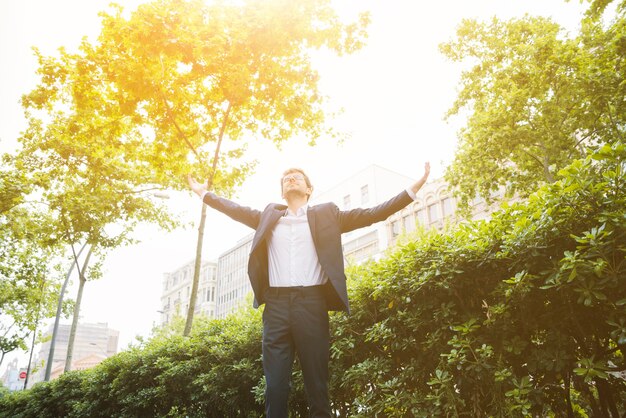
x=296 y=269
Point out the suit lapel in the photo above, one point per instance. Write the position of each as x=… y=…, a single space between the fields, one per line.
x=268 y=219
x=310 y=214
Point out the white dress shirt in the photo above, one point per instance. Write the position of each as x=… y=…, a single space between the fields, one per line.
x=292 y=257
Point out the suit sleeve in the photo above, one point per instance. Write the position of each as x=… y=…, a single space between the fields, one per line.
x=358 y=218
x=247 y=216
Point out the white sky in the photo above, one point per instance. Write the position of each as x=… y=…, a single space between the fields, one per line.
x=394 y=92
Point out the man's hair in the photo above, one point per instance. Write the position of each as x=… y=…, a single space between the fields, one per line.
x=295 y=170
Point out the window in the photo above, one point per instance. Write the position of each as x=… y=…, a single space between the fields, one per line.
x=447 y=207
x=365 y=195
x=421 y=216
x=433 y=213
x=346 y=202
x=408 y=222
x=395 y=228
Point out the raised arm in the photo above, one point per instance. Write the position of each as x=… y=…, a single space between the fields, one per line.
x=418 y=184
x=235 y=211
x=361 y=217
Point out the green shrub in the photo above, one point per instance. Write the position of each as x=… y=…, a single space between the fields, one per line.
x=522 y=315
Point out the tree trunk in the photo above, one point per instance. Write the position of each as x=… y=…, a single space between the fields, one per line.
x=198 y=261
x=196 y=273
x=30 y=355
x=55 y=329
x=606 y=398
x=568 y=395
x=584 y=388
x=546 y=170
x=79 y=298
x=32 y=345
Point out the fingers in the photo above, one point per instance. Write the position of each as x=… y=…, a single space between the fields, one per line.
x=193 y=184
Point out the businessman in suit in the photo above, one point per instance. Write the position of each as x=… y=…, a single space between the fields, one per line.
x=296 y=269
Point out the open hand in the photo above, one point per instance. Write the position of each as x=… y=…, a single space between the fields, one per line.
x=196 y=187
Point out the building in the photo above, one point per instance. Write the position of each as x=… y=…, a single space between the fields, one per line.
x=368 y=187
x=82 y=363
x=435 y=207
x=13 y=377
x=90 y=340
x=177 y=291
x=233 y=284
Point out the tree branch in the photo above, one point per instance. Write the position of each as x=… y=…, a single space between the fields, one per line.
x=170 y=116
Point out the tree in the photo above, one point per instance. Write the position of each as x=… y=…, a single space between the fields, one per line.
x=598 y=7
x=27 y=282
x=84 y=203
x=536 y=99
x=79 y=296
x=193 y=74
x=82 y=162
x=122 y=115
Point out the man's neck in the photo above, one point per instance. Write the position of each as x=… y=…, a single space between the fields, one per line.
x=296 y=202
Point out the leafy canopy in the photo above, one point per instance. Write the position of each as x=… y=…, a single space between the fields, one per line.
x=535 y=98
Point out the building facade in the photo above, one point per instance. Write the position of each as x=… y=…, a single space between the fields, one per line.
x=90 y=340
x=233 y=285
x=177 y=291
x=13 y=377
x=435 y=207
x=368 y=187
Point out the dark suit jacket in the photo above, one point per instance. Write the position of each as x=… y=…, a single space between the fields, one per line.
x=327 y=223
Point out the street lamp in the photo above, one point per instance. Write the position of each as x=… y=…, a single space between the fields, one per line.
x=161 y=195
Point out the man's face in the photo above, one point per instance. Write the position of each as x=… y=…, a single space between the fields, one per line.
x=294 y=184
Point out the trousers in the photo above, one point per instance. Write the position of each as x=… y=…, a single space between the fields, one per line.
x=295 y=322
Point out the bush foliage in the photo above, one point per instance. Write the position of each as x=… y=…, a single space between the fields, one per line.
x=521 y=315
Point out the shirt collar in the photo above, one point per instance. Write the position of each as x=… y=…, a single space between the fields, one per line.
x=300 y=212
